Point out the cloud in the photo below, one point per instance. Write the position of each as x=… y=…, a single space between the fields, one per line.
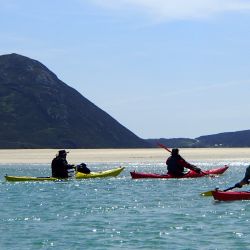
x=176 y=9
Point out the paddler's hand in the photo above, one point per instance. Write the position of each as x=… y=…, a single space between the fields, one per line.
x=238 y=185
x=197 y=170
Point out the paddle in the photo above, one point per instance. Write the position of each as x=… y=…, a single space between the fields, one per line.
x=163 y=146
x=225 y=190
x=209 y=193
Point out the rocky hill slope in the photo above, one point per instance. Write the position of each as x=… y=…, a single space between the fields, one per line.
x=37 y=110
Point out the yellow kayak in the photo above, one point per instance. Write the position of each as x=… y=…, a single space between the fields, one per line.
x=101 y=174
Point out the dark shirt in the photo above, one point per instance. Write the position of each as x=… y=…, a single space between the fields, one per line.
x=176 y=165
x=247 y=175
x=60 y=167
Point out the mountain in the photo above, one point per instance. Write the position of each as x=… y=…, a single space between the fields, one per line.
x=226 y=139
x=37 y=110
x=173 y=142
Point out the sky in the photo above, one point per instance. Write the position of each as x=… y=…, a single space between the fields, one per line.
x=163 y=69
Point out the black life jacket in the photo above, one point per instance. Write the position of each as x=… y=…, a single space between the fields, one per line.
x=59 y=167
x=174 y=167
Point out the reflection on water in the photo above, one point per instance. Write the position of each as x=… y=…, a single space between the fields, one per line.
x=121 y=213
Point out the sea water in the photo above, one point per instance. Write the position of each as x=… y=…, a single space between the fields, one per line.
x=121 y=213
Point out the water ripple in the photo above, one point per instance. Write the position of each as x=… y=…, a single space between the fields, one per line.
x=121 y=213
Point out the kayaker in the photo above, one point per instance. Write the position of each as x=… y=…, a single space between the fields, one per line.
x=176 y=164
x=59 y=165
x=245 y=180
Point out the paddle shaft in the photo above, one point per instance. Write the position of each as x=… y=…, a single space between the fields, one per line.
x=163 y=146
x=229 y=188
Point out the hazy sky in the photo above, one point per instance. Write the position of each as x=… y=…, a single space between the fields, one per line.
x=162 y=68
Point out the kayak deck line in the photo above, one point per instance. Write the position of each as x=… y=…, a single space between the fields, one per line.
x=78 y=176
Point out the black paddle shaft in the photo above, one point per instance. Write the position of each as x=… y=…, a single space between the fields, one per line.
x=229 y=188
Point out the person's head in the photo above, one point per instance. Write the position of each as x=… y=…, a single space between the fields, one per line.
x=62 y=153
x=175 y=151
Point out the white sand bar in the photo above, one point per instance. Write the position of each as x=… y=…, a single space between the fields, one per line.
x=123 y=155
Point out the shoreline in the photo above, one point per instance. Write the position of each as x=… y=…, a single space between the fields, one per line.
x=76 y=156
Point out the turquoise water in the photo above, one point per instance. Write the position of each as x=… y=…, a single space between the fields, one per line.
x=121 y=213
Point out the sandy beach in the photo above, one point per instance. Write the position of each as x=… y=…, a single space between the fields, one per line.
x=44 y=156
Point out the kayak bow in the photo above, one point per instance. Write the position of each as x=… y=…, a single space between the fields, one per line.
x=107 y=173
x=101 y=174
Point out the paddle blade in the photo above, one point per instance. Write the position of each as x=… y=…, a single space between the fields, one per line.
x=208 y=193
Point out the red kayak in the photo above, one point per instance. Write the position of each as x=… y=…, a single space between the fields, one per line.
x=190 y=174
x=230 y=195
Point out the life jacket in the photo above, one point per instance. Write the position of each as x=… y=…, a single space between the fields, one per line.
x=174 y=165
x=59 y=167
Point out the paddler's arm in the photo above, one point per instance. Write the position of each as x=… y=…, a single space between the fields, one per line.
x=68 y=166
x=185 y=164
x=245 y=180
x=241 y=184
x=71 y=166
